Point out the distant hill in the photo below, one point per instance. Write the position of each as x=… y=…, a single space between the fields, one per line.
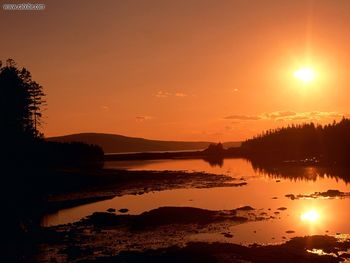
x=113 y=143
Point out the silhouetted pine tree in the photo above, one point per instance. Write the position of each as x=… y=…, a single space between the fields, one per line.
x=21 y=101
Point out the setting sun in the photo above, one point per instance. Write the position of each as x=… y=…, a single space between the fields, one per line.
x=305 y=75
x=310 y=216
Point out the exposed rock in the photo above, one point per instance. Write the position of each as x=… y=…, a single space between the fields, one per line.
x=294 y=250
x=245 y=208
x=327 y=194
x=228 y=235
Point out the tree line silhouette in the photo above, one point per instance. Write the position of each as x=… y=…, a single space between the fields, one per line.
x=327 y=144
x=22 y=102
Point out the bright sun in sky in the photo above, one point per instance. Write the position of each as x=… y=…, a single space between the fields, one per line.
x=305 y=75
x=310 y=216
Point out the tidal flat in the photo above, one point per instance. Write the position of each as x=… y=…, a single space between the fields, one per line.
x=155 y=211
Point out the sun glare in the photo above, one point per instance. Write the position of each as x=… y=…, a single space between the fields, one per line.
x=310 y=216
x=305 y=75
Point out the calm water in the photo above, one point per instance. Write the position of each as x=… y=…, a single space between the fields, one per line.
x=265 y=190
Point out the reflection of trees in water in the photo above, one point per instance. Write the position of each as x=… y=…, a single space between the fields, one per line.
x=214 y=161
x=299 y=172
x=293 y=172
x=214 y=155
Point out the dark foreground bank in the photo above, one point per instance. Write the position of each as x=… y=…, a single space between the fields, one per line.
x=163 y=235
x=318 y=249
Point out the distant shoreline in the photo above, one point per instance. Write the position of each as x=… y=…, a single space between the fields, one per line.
x=212 y=157
x=138 y=152
x=169 y=155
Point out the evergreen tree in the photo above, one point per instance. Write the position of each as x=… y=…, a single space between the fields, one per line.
x=21 y=102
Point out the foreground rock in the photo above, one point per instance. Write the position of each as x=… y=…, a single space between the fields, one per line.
x=169 y=216
x=329 y=194
x=105 y=233
x=299 y=249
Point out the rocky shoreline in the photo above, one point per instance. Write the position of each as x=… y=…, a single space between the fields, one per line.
x=102 y=184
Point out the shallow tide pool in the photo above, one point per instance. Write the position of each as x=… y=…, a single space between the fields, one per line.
x=265 y=190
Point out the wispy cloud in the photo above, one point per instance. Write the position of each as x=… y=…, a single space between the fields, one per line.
x=242 y=117
x=180 y=94
x=163 y=94
x=278 y=115
x=288 y=116
x=307 y=116
x=166 y=94
x=143 y=118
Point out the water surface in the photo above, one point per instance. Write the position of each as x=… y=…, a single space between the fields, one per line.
x=266 y=190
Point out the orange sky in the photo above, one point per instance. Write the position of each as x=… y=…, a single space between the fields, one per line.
x=182 y=69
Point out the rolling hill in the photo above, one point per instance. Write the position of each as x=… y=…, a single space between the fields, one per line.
x=113 y=143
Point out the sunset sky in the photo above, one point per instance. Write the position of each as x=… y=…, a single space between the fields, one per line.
x=183 y=69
